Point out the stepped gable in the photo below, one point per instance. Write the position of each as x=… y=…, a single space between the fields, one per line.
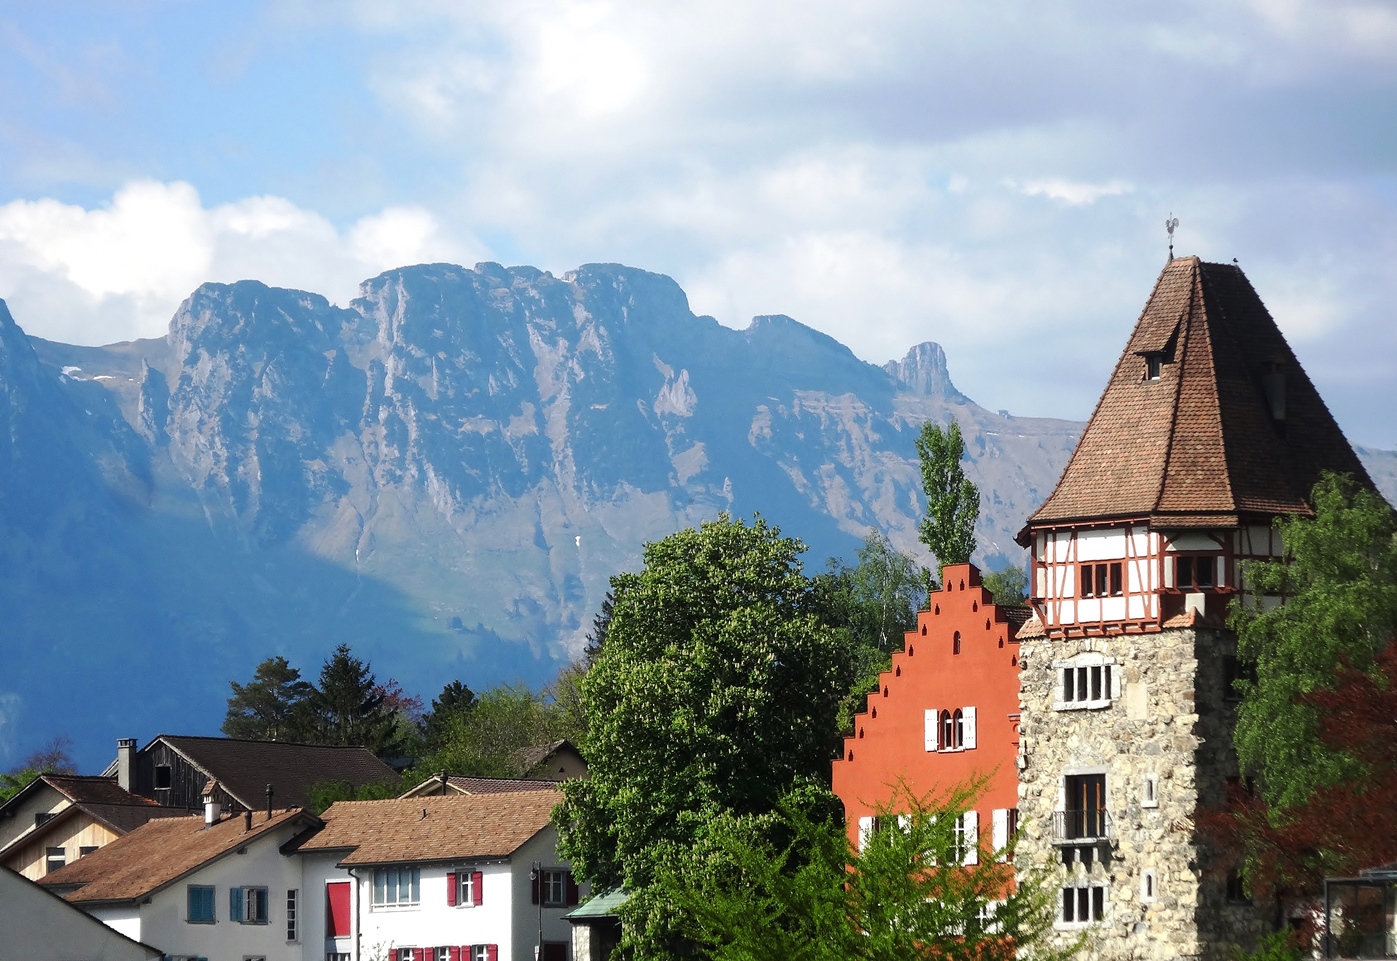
x=1231 y=425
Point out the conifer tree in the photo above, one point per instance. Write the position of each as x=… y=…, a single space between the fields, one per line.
x=348 y=707
x=270 y=707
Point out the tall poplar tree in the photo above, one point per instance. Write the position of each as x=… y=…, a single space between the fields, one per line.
x=952 y=501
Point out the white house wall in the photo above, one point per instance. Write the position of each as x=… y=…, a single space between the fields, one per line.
x=540 y=848
x=38 y=926
x=124 y=919
x=164 y=921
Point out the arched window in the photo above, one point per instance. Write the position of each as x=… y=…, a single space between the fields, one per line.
x=955 y=643
x=958 y=723
x=948 y=731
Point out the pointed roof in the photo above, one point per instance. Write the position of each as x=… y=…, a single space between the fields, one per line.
x=1231 y=426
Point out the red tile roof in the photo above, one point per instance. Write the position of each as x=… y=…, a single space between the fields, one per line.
x=480 y=785
x=449 y=828
x=1199 y=446
x=161 y=852
x=86 y=789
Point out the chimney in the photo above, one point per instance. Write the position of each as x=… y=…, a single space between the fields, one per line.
x=125 y=762
x=211 y=810
x=270 y=792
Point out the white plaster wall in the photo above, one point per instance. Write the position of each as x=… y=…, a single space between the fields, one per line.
x=316 y=871
x=541 y=848
x=44 y=800
x=37 y=926
x=125 y=919
x=164 y=921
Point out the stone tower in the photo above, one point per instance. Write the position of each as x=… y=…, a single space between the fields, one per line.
x=1207 y=431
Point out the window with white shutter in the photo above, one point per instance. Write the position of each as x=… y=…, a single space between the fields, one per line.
x=971 y=821
x=999 y=830
x=930 y=734
x=968 y=733
x=865 y=831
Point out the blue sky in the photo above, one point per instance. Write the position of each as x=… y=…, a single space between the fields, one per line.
x=994 y=177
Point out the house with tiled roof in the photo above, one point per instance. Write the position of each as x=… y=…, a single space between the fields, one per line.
x=173 y=769
x=460 y=877
x=1207 y=432
x=58 y=818
x=215 y=885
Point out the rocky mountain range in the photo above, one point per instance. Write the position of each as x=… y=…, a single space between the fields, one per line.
x=443 y=474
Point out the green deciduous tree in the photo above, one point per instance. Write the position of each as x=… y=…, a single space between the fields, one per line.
x=952 y=501
x=876 y=603
x=487 y=740
x=270 y=707
x=791 y=888
x=715 y=692
x=1009 y=586
x=51 y=758
x=1340 y=608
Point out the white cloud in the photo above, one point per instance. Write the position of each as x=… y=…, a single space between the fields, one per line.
x=1073 y=192
x=119 y=272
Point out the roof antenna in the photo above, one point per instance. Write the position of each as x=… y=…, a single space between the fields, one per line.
x=1169 y=225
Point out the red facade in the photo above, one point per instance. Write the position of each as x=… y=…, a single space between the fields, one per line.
x=945 y=713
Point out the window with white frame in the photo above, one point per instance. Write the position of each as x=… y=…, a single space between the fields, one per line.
x=1149 y=791
x=1004 y=825
x=1087 y=681
x=293 y=914
x=397 y=887
x=1149 y=886
x=54 y=858
x=951 y=729
x=967 y=838
x=553 y=888
x=1084 y=904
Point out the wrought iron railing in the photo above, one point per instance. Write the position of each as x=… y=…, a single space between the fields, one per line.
x=1083 y=827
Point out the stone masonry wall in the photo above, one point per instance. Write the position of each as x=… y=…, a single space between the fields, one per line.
x=1169 y=721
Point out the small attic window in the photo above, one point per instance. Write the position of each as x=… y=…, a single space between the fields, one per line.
x=1154 y=365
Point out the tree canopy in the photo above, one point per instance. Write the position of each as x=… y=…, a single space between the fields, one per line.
x=1340 y=590
x=952 y=501
x=270 y=707
x=715 y=692
x=790 y=887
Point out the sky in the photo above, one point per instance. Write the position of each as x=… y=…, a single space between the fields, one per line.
x=993 y=177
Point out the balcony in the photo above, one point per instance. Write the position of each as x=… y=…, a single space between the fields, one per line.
x=1083 y=827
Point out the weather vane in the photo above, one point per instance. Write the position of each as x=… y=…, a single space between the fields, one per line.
x=1169 y=225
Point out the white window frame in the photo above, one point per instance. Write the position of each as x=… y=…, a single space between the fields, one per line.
x=546 y=882
x=414 y=876
x=1149 y=791
x=293 y=915
x=1077 y=922
x=1082 y=666
x=1149 y=886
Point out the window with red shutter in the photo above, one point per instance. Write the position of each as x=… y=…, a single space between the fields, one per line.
x=572 y=893
x=337 y=909
x=451 y=889
x=492 y=952
x=477 y=888
x=454 y=952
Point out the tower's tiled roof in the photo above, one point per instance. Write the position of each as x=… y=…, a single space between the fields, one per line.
x=1200 y=446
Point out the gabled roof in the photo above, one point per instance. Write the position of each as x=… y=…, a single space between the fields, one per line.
x=160 y=852
x=424 y=829
x=87 y=789
x=530 y=759
x=244 y=768
x=100 y=798
x=477 y=785
x=1202 y=445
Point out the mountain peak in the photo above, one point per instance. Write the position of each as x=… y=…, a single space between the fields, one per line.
x=924 y=371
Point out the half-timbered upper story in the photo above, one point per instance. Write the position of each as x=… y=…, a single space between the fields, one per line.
x=1208 y=430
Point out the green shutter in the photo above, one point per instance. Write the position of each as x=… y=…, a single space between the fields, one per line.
x=235 y=904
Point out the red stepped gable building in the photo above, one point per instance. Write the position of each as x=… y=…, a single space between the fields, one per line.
x=947 y=712
x=1207 y=431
